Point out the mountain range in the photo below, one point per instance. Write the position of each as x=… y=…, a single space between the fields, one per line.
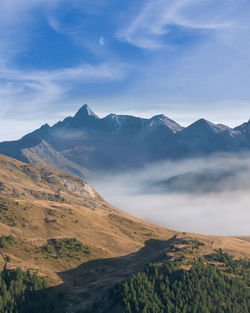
x=86 y=143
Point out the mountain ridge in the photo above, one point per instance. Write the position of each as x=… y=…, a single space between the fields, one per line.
x=117 y=142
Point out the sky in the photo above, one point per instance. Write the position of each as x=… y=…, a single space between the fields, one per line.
x=187 y=59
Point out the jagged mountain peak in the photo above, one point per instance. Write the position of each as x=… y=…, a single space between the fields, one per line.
x=159 y=116
x=202 y=123
x=85 y=111
x=204 y=126
x=111 y=116
x=45 y=126
x=245 y=127
x=162 y=119
x=124 y=141
x=84 y=117
x=42 y=130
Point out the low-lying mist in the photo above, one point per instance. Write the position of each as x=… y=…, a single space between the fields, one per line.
x=206 y=195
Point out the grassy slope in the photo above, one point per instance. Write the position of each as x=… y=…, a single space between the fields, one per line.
x=31 y=194
x=44 y=203
x=246 y=238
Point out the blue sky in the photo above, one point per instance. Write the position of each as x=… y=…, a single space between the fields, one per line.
x=187 y=59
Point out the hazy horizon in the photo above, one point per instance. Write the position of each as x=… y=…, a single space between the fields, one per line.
x=24 y=127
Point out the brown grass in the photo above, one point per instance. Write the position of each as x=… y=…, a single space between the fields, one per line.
x=47 y=203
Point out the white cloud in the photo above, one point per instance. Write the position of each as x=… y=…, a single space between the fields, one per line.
x=26 y=94
x=225 y=212
x=83 y=72
x=156 y=16
x=12 y=129
x=34 y=88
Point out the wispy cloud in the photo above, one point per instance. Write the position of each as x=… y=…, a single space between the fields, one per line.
x=33 y=87
x=27 y=92
x=157 y=16
x=82 y=72
x=39 y=88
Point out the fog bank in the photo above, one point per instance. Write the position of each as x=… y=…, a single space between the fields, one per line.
x=222 y=207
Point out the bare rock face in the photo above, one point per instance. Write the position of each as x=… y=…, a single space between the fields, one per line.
x=84 y=190
x=41 y=182
x=44 y=153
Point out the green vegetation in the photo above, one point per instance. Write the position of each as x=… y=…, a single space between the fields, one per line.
x=6 y=216
x=68 y=248
x=195 y=243
x=240 y=268
x=169 y=288
x=26 y=292
x=6 y=241
x=219 y=256
x=3 y=206
x=202 y=289
x=8 y=220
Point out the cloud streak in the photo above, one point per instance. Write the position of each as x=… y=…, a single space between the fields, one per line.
x=26 y=92
x=156 y=17
x=34 y=88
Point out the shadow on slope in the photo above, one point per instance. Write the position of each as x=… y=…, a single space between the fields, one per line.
x=91 y=280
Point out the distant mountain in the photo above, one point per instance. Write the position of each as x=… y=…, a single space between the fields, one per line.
x=203 y=138
x=199 y=182
x=117 y=142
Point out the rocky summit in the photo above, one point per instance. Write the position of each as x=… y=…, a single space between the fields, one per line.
x=86 y=143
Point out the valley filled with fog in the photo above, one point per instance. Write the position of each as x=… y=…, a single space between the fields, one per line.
x=204 y=195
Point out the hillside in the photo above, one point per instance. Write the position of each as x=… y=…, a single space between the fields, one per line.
x=172 y=286
x=58 y=225
x=86 y=142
